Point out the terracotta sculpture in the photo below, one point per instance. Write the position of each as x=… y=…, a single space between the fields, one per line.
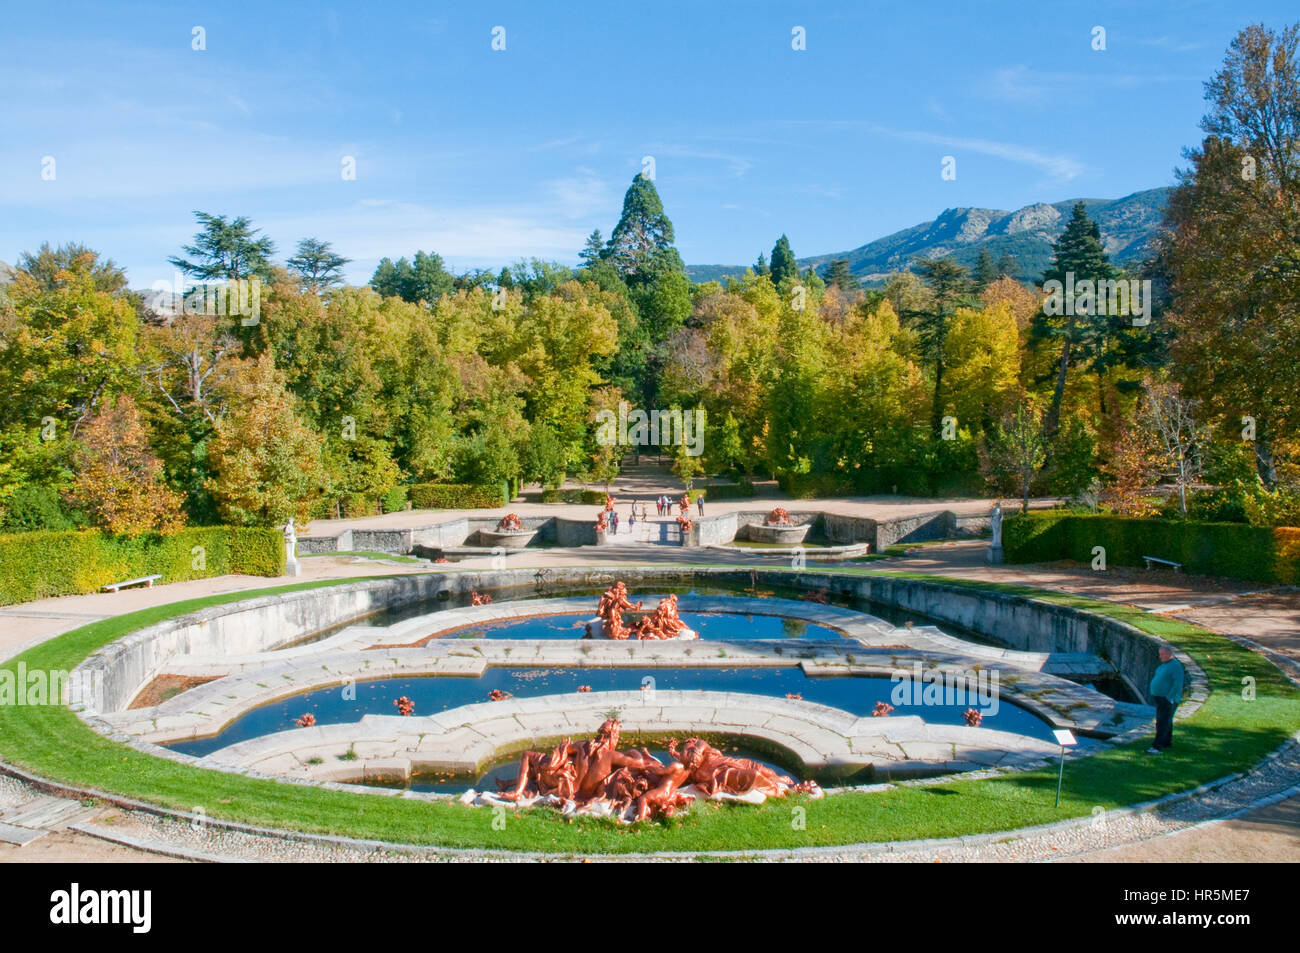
x=662 y=623
x=510 y=523
x=685 y=524
x=778 y=517
x=477 y=598
x=602 y=521
x=636 y=783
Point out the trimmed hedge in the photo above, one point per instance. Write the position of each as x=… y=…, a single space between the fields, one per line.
x=727 y=491
x=394 y=500
x=588 y=497
x=1234 y=550
x=806 y=486
x=457 y=496
x=62 y=563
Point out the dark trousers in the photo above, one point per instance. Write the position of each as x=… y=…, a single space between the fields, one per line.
x=1164 y=724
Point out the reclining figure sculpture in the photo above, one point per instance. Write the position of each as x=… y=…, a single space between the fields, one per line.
x=662 y=623
x=635 y=784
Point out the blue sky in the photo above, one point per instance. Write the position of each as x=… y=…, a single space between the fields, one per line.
x=490 y=156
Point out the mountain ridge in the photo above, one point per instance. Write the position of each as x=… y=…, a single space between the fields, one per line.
x=1128 y=227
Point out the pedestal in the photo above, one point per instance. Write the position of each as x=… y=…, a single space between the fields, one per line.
x=995 y=555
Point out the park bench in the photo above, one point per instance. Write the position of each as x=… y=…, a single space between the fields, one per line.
x=142 y=581
x=1164 y=562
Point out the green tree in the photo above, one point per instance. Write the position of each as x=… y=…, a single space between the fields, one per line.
x=641 y=245
x=1080 y=328
x=268 y=464
x=985 y=272
x=226 y=249
x=839 y=275
x=783 y=265
x=317 y=265
x=48 y=264
x=594 y=250
x=1231 y=248
x=949 y=287
x=1017 y=449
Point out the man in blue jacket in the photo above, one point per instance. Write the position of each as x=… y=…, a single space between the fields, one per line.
x=1166 y=692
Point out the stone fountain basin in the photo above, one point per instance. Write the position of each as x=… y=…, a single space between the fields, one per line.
x=509 y=538
x=786 y=535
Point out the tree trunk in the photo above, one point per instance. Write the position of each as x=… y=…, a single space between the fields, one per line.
x=1264 y=462
x=1054 y=412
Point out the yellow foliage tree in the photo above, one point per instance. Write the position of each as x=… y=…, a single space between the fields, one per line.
x=269 y=463
x=983 y=364
x=118 y=479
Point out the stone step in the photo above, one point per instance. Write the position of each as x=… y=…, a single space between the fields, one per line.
x=12 y=834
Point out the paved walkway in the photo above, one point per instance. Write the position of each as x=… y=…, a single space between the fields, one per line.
x=1267 y=616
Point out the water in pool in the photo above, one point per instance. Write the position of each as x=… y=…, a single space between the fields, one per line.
x=432 y=694
x=709 y=625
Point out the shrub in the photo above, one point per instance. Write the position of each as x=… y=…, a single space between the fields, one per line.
x=395 y=499
x=358 y=504
x=587 y=497
x=803 y=486
x=458 y=496
x=43 y=564
x=33 y=507
x=727 y=491
x=1258 y=554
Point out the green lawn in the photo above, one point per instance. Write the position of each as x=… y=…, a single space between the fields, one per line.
x=1227 y=734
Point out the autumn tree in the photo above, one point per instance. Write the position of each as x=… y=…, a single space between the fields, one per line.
x=118 y=479
x=1231 y=247
x=268 y=462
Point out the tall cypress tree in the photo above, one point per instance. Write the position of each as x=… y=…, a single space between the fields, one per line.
x=783 y=265
x=1077 y=256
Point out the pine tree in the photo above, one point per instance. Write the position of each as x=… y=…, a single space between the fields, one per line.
x=760 y=266
x=949 y=286
x=317 y=265
x=226 y=250
x=593 y=251
x=838 y=274
x=783 y=263
x=641 y=245
x=986 y=272
x=1006 y=265
x=1078 y=256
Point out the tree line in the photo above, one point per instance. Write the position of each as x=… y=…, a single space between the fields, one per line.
x=933 y=381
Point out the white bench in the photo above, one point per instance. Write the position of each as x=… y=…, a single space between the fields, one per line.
x=142 y=581
x=1164 y=562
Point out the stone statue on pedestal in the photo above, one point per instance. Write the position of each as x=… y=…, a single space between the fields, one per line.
x=995 y=522
x=291 y=565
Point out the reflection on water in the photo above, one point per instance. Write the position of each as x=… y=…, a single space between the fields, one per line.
x=432 y=694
